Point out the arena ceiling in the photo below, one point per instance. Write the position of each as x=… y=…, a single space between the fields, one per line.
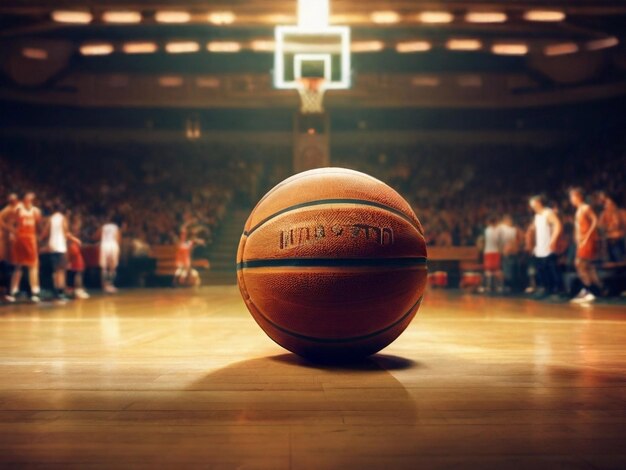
x=219 y=53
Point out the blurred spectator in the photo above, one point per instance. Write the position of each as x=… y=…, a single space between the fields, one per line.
x=512 y=242
x=613 y=223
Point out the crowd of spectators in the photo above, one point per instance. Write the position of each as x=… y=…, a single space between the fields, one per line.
x=156 y=189
x=460 y=193
x=455 y=190
x=153 y=194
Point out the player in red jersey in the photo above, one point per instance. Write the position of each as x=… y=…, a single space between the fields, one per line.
x=76 y=262
x=613 y=222
x=6 y=262
x=185 y=275
x=24 y=222
x=587 y=246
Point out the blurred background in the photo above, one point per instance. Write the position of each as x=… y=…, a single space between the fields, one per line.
x=164 y=113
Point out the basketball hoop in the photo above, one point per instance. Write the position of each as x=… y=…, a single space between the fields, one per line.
x=311 y=90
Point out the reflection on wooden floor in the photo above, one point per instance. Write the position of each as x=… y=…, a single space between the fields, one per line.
x=164 y=378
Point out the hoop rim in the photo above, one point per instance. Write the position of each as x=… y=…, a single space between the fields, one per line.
x=312 y=84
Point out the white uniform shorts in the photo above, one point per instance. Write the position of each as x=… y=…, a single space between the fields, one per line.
x=109 y=255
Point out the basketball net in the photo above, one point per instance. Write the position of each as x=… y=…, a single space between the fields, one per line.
x=311 y=95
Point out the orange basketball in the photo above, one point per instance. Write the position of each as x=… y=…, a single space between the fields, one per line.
x=332 y=264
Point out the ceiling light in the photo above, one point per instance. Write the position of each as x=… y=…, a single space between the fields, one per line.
x=464 y=44
x=485 y=17
x=350 y=18
x=222 y=17
x=425 y=80
x=208 y=82
x=435 y=17
x=561 y=49
x=121 y=17
x=139 y=47
x=182 y=47
x=171 y=81
x=544 y=15
x=262 y=45
x=413 y=46
x=510 y=49
x=172 y=17
x=35 y=53
x=223 y=46
x=96 y=49
x=78 y=17
x=367 y=46
x=313 y=13
x=277 y=18
x=385 y=17
x=603 y=43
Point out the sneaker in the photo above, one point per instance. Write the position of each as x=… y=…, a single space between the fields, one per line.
x=35 y=299
x=61 y=299
x=580 y=296
x=81 y=294
x=588 y=298
x=10 y=298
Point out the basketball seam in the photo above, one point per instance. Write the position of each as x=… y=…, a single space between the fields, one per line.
x=333 y=262
x=321 y=202
x=333 y=170
x=314 y=339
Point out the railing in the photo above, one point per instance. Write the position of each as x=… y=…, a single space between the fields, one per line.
x=453 y=253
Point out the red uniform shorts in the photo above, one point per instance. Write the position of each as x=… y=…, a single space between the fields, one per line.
x=24 y=251
x=492 y=262
x=589 y=250
x=75 y=258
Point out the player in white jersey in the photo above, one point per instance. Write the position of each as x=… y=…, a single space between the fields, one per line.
x=110 y=238
x=547 y=229
x=492 y=258
x=58 y=234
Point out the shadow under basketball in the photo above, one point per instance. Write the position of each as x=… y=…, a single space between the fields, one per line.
x=375 y=362
x=321 y=413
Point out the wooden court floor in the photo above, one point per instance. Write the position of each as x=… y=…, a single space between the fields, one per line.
x=174 y=379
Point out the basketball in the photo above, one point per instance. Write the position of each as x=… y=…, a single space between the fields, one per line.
x=332 y=264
